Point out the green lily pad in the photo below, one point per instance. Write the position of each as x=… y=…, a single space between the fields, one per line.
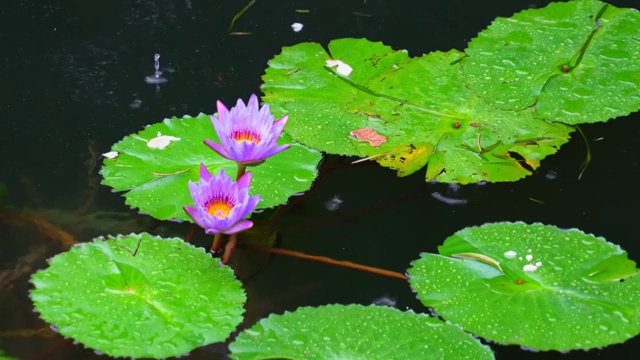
x=355 y=332
x=421 y=105
x=139 y=296
x=575 y=62
x=533 y=285
x=4 y=356
x=156 y=179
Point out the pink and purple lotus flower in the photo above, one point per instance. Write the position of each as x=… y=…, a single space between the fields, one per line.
x=221 y=203
x=247 y=133
x=248 y=136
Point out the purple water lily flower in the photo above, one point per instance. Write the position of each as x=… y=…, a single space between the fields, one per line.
x=221 y=203
x=248 y=133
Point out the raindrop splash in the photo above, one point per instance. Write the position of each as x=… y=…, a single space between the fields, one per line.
x=156 y=78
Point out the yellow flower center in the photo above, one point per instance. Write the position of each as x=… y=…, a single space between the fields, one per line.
x=219 y=208
x=246 y=135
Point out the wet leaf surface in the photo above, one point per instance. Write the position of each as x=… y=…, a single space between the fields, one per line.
x=558 y=289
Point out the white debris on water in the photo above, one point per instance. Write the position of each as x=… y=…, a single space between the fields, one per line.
x=297 y=27
x=510 y=254
x=135 y=104
x=334 y=203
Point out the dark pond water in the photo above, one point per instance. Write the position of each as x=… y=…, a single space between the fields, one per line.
x=72 y=76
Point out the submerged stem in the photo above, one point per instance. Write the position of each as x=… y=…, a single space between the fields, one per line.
x=326 y=260
x=240 y=13
x=233 y=240
x=587 y=158
x=217 y=243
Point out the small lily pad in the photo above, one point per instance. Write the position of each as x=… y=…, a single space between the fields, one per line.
x=355 y=332
x=574 y=62
x=139 y=296
x=553 y=289
x=155 y=179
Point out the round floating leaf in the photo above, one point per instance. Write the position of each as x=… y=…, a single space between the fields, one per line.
x=576 y=62
x=355 y=332
x=4 y=356
x=139 y=296
x=420 y=106
x=156 y=179
x=532 y=285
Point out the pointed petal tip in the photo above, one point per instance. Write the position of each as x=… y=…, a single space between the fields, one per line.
x=218 y=149
x=283 y=119
x=194 y=214
x=204 y=173
x=245 y=179
x=221 y=109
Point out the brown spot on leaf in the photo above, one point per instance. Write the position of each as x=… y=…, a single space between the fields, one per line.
x=369 y=135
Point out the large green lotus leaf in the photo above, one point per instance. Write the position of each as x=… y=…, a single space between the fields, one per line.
x=355 y=332
x=419 y=104
x=533 y=285
x=139 y=296
x=576 y=62
x=156 y=179
x=4 y=356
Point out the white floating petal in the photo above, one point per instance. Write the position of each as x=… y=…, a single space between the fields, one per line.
x=161 y=141
x=343 y=69
x=332 y=62
x=111 y=155
x=296 y=26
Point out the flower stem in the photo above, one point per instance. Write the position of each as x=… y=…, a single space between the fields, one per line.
x=191 y=232
x=217 y=243
x=325 y=260
x=233 y=240
x=241 y=171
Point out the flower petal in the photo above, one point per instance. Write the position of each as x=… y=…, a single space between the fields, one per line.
x=239 y=226
x=219 y=149
x=205 y=175
x=245 y=181
x=194 y=214
x=253 y=105
x=279 y=125
x=250 y=206
x=223 y=112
